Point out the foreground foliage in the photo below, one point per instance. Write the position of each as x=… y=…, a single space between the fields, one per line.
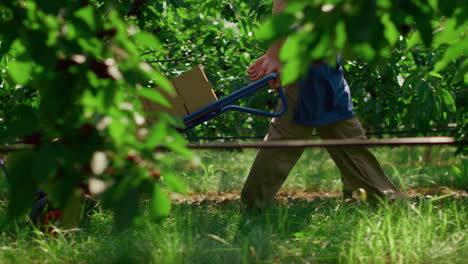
x=324 y=231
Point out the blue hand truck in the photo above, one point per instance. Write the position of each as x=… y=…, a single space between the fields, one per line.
x=223 y=105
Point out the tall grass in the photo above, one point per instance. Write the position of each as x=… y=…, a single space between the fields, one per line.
x=322 y=230
x=408 y=167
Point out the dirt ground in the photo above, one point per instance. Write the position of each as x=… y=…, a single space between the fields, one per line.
x=286 y=196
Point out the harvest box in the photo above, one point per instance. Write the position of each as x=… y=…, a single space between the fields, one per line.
x=193 y=91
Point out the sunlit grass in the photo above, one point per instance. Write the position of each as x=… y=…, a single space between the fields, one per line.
x=321 y=230
x=409 y=168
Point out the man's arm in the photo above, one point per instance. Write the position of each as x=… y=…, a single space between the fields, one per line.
x=269 y=63
x=274 y=49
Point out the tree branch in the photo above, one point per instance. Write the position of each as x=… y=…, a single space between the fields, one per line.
x=171 y=60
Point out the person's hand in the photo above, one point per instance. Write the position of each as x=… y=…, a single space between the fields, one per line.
x=265 y=65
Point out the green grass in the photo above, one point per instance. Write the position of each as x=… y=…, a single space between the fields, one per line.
x=321 y=230
x=409 y=168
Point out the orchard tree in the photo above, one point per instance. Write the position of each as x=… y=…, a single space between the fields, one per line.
x=72 y=75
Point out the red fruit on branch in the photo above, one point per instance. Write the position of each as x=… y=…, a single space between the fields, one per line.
x=100 y=69
x=404 y=29
x=33 y=139
x=87 y=129
x=88 y=170
x=64 y=64
x=155 y=174
x=131 y=157
x=108 y=33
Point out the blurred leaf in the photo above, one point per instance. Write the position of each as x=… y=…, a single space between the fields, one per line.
x=147 y=41
x=177 y=143
x=453 y=52
x=448 y=99
x=20 y=71
x=160 y=205
x=276 y=27
x=295 y=46
x=436 y=74
x=127 y=209
x=413 y=39
x=291 y=71
x=340 y=35
x=364 y=50
x=21 y=183
x=23 y=123
x=391 y=32
x=157 y=134
x=154 y=95
x=45 y=164
x=88 y=16
x=174 y=183
x=162 y=81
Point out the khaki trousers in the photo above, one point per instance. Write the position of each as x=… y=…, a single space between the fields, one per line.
x=358 y=166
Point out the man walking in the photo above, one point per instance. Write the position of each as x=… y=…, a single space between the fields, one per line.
x=321 y=100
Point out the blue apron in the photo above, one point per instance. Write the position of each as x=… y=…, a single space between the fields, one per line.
x=324 y=96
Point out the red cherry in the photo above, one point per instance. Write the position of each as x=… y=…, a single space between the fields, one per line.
x=131 y=157
x=100 y=69
x=155 y=174
x=87 y=129
x=33 y=139
x=109 y=33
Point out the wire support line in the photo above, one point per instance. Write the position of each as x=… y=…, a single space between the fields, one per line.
x=334 y=143
x=14 y=147
x=370 y=133
x=410 y=141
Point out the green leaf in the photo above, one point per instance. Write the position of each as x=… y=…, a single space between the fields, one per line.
x=340 y=35
x=413 y=39
x=21 y=182
x=177 y=143
x=448 y=99
x=88 y=16
x=276 y=27
x=452 y=53
x=291 y=71
x=20 y=71
x=147 y=41
x=157 y=134
x=295 y=46
x=456 y=170
x=162 y=81
x=154 y=95
x=127 y=209
x=391 y=32
x=23 y=123
x=321 y=48
x=365 y=50
x=436 y=74
x=174 y=183
x=160 y=205
x=45 y=165
x=447 y=7
x=180 y=3
x=6 y=14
